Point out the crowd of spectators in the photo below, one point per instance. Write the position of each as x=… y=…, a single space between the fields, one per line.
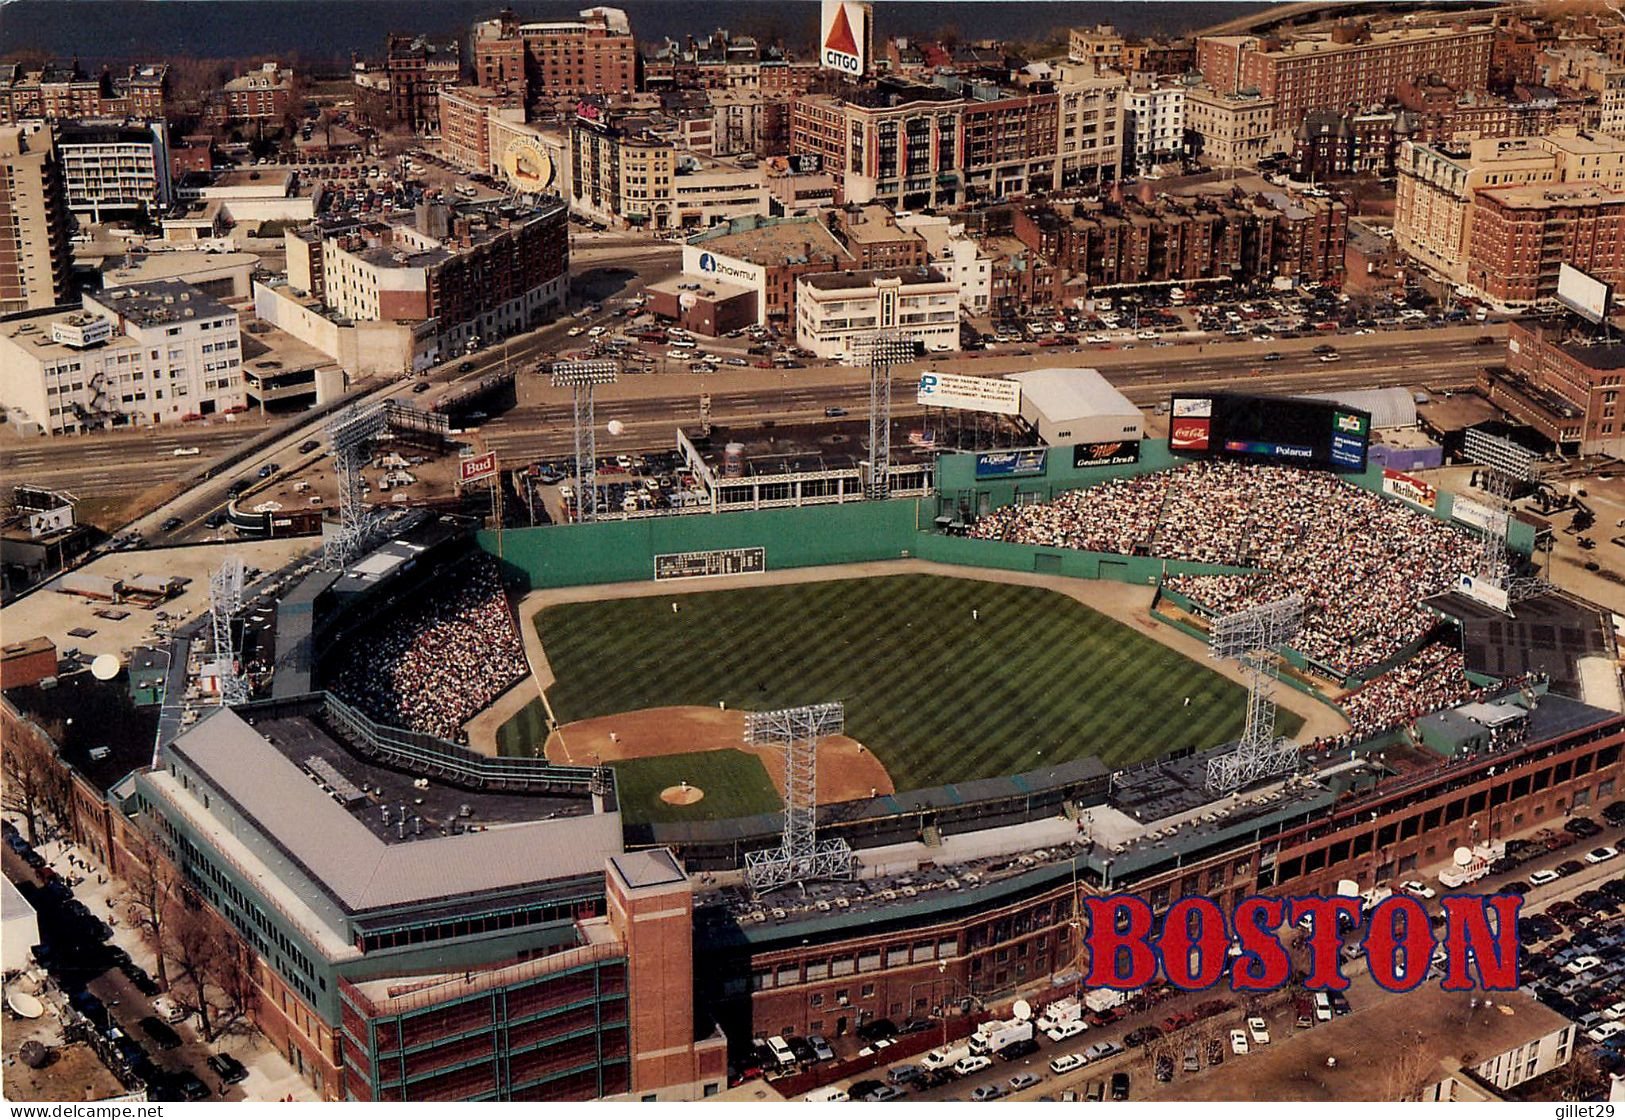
x=1435 y=678
x=1363 y=563
x=435 y=664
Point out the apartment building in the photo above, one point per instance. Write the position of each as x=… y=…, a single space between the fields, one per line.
x=1437 y=185
x=1153 y=121
x=1518 y=236
x=466 y=113
x=418 y=69
x=875 y=239
x=115 y=170
x=1229 y=129
x=62 y=91
x=958 y=257
x=623 y=173
x=1352 y=66
x=837 y=311
x=152 y=353
x=592 y=54
x=1089 y=146
x=260 y=95
x=36 y=260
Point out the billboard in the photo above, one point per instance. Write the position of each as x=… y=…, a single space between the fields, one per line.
x=1118 y=453
x=1484 y=591
x=480 y=466
x=975 y=394
x=1583 y=293
x=529 y=167
x=1409 y=488
x=844 y=36
x=1010 y=464
x=1286 y=429
x=1478 y=515
x=44 y=522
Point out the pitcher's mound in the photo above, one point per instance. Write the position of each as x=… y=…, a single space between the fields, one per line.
x=681 y=795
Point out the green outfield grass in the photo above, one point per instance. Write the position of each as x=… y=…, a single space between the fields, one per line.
x=735 y=785
x=939 y=697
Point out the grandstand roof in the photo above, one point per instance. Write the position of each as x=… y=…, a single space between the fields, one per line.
x=355 y=865
x=1390 y=408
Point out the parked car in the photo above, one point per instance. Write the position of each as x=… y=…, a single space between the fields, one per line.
x=162 y=1034
x=1238 y=1042
x=1259 y=1030
x=1602 y=854
x=1024 y=1081
x=1120 y=1086
x=987 y=1092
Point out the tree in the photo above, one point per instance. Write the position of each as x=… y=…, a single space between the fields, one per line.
x=237 y=979
x=33 y=782
x=201 y=952
x=154 y=886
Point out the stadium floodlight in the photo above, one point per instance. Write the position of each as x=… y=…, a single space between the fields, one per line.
x=882 y=349
x=800 y=857
x=225 y=604
x=1505 y=465
x=1249 y=636
x=350 y=434
x=581 y=378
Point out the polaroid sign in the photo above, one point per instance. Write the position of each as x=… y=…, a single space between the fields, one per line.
x=844 y=37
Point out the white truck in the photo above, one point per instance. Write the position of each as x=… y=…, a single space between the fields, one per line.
x=1104 y=999
x=1472 y=864
x=1062 y=1011
x=944 y=1056
x=1001 y=1035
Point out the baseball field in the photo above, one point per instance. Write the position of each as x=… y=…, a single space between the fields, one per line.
x=944 y=679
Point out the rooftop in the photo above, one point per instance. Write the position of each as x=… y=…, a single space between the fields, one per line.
x=1072 y=392
x=161 y=301
x=787 y=449
x=653 y=868
x=1541 y=196
x=843 y=281
x=770 y=242
x=266 y=774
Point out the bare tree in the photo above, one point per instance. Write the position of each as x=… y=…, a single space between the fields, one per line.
x=154 y=885
x=1405 y=1071
x=236 y=978
x=32 y=780
x=201 y=952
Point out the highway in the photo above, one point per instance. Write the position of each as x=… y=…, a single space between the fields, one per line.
x=652 y=407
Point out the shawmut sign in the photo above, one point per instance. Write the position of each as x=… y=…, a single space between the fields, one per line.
x=844 y=37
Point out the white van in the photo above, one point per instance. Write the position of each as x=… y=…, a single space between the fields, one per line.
x=827 y=1095
x=1066 y=1063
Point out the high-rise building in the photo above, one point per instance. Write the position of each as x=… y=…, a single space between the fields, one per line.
x=35 y=260
x=115 y=169
x=1153 y=120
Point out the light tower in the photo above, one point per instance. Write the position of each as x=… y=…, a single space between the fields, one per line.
x=1505 y=465
x=800 y=856
x=225 y=604
x=582 y=378
x=351 y=433
x=883 y=349
x=1248 y=636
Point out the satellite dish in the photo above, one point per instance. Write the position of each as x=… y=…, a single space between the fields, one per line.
x=1348 y=888
x=25 y=1005
x=1463 y=857
x=1022 y=1010
x=105 y=667
x=616 y=427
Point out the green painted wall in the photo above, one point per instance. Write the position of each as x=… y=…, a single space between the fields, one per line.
x=623 y=551
x=1143 y=570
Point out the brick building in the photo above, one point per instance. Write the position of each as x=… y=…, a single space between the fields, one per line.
x=1519 y=235
x=418 y=69
x=62 y=91
x=1350 y=67
x=466 y=113
x=1565 y=384
x=592 y=54
x=260 y=95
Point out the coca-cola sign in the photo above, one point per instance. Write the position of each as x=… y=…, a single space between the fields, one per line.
x=1189 y=435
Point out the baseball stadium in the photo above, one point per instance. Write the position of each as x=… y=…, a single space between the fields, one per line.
x=493 y=779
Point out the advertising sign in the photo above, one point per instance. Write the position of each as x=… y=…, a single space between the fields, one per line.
x=1288 y=429
x=844 y=37
x=1189 y=435
x=529 y=167
x=1478 y=515
x=480 y=466
x=1115 y=454
x=46 y=521
x=1410 y=489
x=1483 y=591
x=1010 y=464
x=975 y=394
x=1583 y=293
